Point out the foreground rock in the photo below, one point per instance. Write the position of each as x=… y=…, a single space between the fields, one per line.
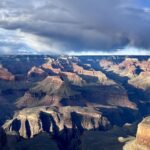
x=30 y=122
x=143 y=133
x=142 y=140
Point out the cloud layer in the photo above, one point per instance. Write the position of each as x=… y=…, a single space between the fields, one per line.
x=74 y=26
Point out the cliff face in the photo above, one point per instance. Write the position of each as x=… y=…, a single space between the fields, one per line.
x=142 y=81
x=32 y=121
x=142 y=140
x=72 y=78
x=143 y=133
x=5 y=74
x=134 y=69
x=130 y=67
x=125 y=68
x=101 y=77
x=67 y=97
x=36 y=71
x=53 y=85
x=49 y=66
x=26 y=101
x=80 y=86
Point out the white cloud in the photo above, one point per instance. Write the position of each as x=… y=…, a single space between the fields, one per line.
x=16 y=41
x=74 y=26
x=126 y=51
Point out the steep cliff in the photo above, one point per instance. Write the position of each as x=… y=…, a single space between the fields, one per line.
x=31 y=121
x=142 y=140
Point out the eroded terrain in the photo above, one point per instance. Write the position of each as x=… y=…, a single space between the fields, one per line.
x=66 y=102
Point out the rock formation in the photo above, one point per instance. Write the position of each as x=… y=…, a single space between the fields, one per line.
x=142 y=140
x=49 y=66
x=130 y=67
x=68 y=98
x=31 y=121
x=36 y=71
x=73 y=78
x=142 y=81
x=101 y=77
x=105 y=63
x=31 y=100
x=5 y=74
x=26 y=101
x=143 y=133
x=53 y=86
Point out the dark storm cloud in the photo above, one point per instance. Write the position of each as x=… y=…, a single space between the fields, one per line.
x=77 y=25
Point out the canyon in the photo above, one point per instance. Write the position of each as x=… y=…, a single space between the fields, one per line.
x=73 y=103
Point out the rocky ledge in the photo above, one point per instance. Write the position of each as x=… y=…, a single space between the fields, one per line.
x=143 y=133
x=32 y=121
x=142 y=140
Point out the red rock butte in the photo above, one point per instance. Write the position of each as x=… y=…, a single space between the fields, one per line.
x=143 y=132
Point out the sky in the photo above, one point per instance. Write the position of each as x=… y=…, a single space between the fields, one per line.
x=75 y=27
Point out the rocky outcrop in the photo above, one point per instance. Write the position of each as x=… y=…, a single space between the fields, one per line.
x=53 y=86
x=6 y=75
x=142 y=81
x=30 y=122
x=145 y=65
x=125 y=68
x=49 y=66
x=130 y=67
x=73 y=78
x=105 y=63
x=36 y=71
x=31 y=100
x=101 y=77
x=143 y=133
x=26 y=101
x=58 y=91
x=47 y=92
x=142 y=140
